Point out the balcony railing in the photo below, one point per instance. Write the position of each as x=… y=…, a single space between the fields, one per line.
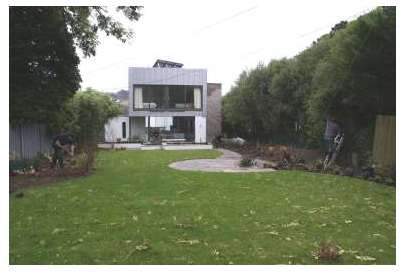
x=152 y=106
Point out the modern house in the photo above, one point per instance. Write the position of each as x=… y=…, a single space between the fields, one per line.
x=171 y=102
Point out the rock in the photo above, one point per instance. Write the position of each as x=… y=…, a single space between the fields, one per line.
x=270 y=164
x=270 y=151
x=259 y=163
x=316 y=165
x=234 y=141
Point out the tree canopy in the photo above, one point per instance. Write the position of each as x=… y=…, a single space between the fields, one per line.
x=43 y=59
x=349 y=72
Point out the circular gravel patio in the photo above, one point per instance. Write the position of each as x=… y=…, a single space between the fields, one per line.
x=228 y=162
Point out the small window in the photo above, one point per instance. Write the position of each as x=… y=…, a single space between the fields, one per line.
x=124 y=130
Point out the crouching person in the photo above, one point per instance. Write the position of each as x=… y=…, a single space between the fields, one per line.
x=62 y=144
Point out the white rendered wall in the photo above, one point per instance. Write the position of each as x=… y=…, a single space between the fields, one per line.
x=200 y=129
x=114 y=130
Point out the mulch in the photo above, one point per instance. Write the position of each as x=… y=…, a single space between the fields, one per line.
x=252 y=151
x=44 y=177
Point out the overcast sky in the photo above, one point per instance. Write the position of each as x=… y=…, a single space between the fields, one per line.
x=223 y=38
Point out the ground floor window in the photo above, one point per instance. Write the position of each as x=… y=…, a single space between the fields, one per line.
x=177 y=127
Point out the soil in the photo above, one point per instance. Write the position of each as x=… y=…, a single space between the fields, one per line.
x=279 y=151
x=43 y=177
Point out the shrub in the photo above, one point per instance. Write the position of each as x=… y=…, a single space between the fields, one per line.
x=246 y=162
x=24 y=165
x=40 y=161
x=80 y=161
x=16 y=166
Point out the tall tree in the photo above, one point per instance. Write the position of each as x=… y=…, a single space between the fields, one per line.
x=349 y=72
x=43 y=60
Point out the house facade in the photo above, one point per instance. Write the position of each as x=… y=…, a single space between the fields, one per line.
x=174 y=102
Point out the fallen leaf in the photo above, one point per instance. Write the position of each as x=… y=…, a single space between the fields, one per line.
x=365 y=258
x=291 y=224
x=272 y=232
x=142 y=247
x=56 y=231
x=190 y=242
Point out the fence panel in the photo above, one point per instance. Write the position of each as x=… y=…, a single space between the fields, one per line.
x=384 y=149
x=26 y=141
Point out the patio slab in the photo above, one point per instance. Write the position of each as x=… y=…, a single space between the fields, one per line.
x=135 y=146
x=228 y=162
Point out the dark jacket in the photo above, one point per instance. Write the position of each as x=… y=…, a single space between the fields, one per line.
x=63 y=138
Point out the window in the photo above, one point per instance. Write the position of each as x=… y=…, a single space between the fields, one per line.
x=167 y=97
x=124 y=130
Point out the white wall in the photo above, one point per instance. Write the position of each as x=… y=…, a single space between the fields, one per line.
x=113 y=129
x=200 y=129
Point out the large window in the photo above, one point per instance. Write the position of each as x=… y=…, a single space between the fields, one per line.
x=167 y=97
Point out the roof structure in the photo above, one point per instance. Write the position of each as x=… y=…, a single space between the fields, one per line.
x=167 y=64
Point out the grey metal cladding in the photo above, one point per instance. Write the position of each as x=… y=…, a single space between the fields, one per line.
x=167 y=76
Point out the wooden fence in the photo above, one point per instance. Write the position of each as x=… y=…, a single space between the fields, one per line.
x=26 y=141
x=384 y=149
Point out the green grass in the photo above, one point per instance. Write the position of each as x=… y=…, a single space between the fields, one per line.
x=136 y=210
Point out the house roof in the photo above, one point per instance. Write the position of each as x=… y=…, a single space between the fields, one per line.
x=165 y=63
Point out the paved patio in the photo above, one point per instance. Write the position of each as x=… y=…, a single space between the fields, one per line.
x=228 y=162
x=135 y=146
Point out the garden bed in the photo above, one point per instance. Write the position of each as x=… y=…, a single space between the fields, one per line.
x=43 y=177
x=282 y=157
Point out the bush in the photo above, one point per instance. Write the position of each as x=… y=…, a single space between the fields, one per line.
x=246 y=162
x=24 y=165
x=19 y=166
x=80 y=161
x=40 y=161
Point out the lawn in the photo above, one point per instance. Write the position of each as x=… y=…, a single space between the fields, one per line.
x=136 y=210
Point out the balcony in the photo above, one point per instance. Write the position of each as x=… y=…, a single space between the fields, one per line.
x=167 y=98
